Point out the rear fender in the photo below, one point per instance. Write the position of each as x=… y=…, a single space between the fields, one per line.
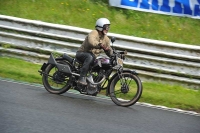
x=51 y=60
x=61 y=67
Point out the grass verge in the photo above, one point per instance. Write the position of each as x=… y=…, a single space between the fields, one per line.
x=84 y=13
x=156 y=93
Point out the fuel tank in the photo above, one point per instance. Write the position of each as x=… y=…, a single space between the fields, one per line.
x=102 y=62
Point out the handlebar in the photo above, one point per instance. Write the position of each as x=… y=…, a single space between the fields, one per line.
x=120 y=54
x=123 y=52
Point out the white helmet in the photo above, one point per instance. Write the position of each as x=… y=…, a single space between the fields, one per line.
x=101 y=22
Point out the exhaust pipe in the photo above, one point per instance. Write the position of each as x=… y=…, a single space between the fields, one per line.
x=90 y=79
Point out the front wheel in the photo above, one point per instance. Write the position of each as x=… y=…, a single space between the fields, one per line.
x=125 y=89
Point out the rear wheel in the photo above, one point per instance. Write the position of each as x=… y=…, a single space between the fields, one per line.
x=54 y=81
x=126 y=90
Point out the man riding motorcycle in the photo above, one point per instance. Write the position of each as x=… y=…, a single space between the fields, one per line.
x=95 y=43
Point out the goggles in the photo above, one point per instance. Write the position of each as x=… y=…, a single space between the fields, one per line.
x=106 y=27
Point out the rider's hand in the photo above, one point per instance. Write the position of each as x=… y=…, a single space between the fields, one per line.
x=103 y=47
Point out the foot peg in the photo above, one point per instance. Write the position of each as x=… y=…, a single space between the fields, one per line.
x=82 y=81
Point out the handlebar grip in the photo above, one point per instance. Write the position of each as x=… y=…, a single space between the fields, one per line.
x=124 y=52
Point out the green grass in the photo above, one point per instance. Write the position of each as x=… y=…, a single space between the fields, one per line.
x=155 y=93
x=84 y=13
x=175 y=96
x=19 y=70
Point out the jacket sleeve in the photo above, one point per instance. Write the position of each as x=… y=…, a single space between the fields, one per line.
x=108 y=52
x=93 y=40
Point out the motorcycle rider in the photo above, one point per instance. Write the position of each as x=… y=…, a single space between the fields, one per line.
x=95 y=43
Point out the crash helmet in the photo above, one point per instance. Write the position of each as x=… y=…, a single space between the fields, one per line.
x=102 y=24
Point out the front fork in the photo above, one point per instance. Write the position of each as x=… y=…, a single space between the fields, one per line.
x=123 y=81
x=121 y=77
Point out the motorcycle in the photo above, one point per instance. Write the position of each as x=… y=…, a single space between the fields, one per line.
x=124 y=87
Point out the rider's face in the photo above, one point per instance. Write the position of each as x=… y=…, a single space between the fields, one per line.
x=105 y=32
x=106 y=29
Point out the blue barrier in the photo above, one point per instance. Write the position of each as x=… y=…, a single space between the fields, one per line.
x=189 y=8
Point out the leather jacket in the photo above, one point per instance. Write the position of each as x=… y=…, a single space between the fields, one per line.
x=92 y=41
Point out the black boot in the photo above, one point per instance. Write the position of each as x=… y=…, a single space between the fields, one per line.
x=82 y=80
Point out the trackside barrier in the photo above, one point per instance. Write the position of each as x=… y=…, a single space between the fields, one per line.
x=152 y=59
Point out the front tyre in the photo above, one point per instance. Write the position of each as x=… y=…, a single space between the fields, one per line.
x=126 y=89
x=55 y=81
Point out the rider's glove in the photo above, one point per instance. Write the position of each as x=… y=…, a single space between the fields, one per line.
x=103 y=47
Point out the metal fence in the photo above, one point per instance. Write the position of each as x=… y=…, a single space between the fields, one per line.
x=152 y=59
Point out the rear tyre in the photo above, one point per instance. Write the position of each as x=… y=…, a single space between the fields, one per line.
x=54 y=81
x=125 y=90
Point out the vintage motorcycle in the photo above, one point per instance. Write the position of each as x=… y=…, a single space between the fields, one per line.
x=124 y=87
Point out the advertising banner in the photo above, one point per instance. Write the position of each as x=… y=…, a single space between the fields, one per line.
x=189 y=8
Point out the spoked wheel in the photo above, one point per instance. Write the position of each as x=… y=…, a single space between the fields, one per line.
x=126 y=90
x=55 y=81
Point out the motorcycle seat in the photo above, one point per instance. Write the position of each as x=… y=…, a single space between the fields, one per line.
x=67 y=57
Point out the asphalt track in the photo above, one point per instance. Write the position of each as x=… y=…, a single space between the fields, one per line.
x=26 y=108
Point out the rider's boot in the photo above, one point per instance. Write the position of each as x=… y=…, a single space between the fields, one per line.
x=82 y=81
